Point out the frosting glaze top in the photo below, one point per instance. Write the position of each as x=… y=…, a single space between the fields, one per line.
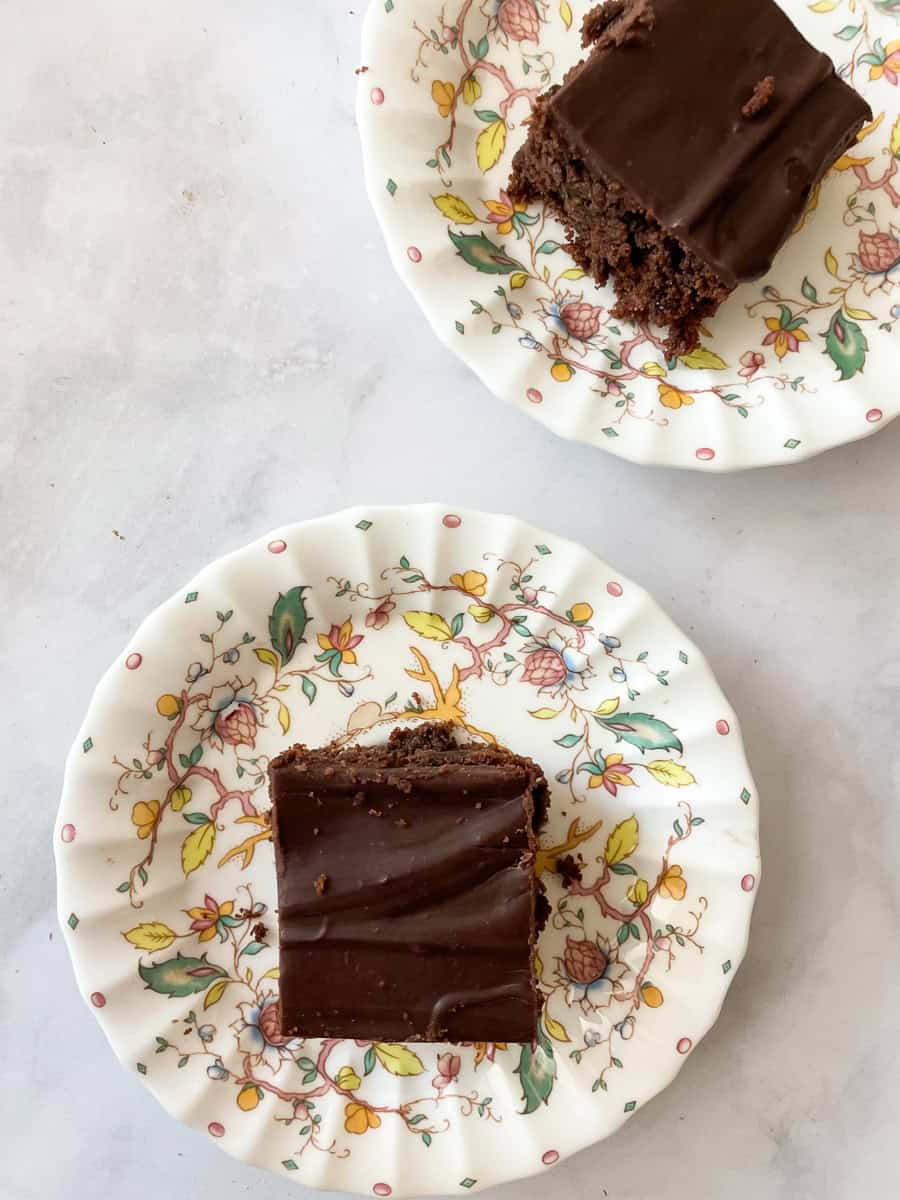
x=406 y=893
x=662 y=107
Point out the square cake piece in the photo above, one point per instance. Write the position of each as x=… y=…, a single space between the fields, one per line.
x=682 y=151
x=406 y=890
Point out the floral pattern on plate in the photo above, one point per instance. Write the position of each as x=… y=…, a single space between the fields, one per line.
x=344 y=629
x=790 y=366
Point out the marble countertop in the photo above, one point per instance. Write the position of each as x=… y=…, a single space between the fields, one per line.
x=201 y=337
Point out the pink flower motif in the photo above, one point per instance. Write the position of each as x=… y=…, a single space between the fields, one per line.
x=751 y=362
x=584 y=961
x=379 y=617
x=230 y=715
x=519 y=20
x=553 y=663
x=878 y=253
x=239 y=727
x=544 y=668
x=448 y=1066
x=581 y=319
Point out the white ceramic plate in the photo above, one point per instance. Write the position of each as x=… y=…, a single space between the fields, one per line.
x=799 y=362
x=351 y=625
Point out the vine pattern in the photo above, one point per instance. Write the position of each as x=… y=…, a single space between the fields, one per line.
x=615 y=931
x=492 y=60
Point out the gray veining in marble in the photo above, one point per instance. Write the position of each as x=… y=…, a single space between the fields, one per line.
x=183 y=359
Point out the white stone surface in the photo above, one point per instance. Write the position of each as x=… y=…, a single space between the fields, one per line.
x=200 y=338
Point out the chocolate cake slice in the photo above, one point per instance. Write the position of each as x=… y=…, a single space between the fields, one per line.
x=681 y=152
x=406 y=890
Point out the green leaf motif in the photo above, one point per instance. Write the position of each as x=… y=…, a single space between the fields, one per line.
x=309 y=688
x=846 y=345
x=622 y=868
x=288 y=621
x=537 y=1073
x=641 y=730
x=180 y=976
x=568 y=740
x=481 y=253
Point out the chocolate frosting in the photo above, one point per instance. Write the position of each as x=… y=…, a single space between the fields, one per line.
x=422 y=927
x=657 y=108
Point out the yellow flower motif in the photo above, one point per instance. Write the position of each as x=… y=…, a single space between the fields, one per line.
x=249 y=1097
x=473 y=582
x=784 y=340
x=651 y=995
x=673 y=397
x=638 y=892
x=485 y=1050
x=581 y=613
x=471 y=90
x=561 y=372
x=443 y=94
x=204 y=918
x=481 y=614
x=168 y=706
x=144 y=815
x=347 y=1079
x=359 y=1118
x=616 y=773
x=672 y=885
x=341 y=639
x=891 y=65
x=502 y=212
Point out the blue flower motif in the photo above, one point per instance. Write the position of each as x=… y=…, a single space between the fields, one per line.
x=217 y=1070
x=258 y=1030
